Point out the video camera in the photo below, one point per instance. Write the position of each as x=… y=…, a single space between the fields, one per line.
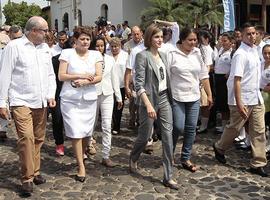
x=102 y=21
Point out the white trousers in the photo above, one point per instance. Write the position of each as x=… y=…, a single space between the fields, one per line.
x=105 y=107
x=3 y=125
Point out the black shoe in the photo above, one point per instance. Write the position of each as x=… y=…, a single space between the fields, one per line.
x=220 y=157
x=27 y=188
x=202 y=131
x=80 y=178
x=169 y=185
x=259 y=171
x=38 y=180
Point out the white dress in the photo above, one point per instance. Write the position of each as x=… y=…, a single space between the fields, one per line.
x=78 y=105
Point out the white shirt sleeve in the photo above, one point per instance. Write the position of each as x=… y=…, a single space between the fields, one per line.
x=6 y=67
x=175 y=33
x=238 y=65
x=65 y=55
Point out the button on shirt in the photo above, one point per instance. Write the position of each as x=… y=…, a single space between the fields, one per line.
x=246 y=64
x=185 y=72
x=27 y=76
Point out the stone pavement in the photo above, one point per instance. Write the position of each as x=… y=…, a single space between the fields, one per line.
x=211 y=181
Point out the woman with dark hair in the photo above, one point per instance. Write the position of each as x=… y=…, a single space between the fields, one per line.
x=106 y=89
x=207 y=53
x=186 y=70
x=154 y=96
x=222 y=72
x=80 y=69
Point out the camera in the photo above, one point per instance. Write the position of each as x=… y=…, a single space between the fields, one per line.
x=102 y=21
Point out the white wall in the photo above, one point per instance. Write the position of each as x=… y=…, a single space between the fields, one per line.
x=118 y=11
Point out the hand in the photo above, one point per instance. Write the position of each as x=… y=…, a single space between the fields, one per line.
x=151 y=112
x=119 y=105
x=266 y=88
x=4 y=113
x=90 y=77
x=210 y=102
x=243 y=110
x=128 y=92
x=52 y=103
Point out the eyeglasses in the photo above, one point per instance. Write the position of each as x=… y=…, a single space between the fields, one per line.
x=44 y=30
x=161 y=72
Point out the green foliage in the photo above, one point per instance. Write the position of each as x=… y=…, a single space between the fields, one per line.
x=19 y=13
x=193 y=12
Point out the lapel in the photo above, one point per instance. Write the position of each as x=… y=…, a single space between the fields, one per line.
x=152 y=63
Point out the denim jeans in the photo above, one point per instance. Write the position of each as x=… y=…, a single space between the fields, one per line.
x=185 y=117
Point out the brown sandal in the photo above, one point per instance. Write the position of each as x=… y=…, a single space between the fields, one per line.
x=189 y=167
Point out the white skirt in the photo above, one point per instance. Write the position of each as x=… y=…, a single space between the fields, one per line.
x=78 y=117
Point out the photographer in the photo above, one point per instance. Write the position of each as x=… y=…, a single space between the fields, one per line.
x=102 y=29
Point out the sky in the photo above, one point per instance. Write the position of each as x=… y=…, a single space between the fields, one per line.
x=41 y=3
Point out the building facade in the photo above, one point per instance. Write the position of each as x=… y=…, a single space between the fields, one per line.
x=256 y=11
x=70 y=13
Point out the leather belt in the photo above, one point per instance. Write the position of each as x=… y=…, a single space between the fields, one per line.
x=162 y=92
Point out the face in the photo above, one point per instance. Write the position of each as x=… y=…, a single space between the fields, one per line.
x=61 y=40
x=238 y=35
x=226 y=43
x=249 y=36
x=190 y=42
x=17 y=35
x=259 y=36
x=83 y=42
x=115 y=49
x=137 y=35
x=156 y=40
x=100 y=46
x=205 y=40
x=40 y=33
x=266 y=54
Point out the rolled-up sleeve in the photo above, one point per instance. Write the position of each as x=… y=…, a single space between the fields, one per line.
x=140 y=64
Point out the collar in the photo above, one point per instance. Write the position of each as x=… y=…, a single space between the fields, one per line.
x=195 y=50
x=247 y=47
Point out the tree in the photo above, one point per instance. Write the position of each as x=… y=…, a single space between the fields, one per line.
x=168 y=10
x=185 y=12
x=19 y=13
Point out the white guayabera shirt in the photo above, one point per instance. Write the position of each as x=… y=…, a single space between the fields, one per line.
x=26 y=74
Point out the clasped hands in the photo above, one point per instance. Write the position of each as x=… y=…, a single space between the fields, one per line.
x=83 y=80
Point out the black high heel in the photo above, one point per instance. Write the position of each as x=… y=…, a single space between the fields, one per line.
x=80 y=178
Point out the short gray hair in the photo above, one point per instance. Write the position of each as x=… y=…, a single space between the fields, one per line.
x=15 y=29
x=33 y=22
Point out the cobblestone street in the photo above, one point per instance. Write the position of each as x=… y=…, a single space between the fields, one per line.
x=211 y=181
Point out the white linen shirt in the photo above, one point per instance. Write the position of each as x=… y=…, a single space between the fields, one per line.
x=185 y=72
x=27 y=76
x=223 y=62
x=110 y=82
x=246 y=64
x=120 y=66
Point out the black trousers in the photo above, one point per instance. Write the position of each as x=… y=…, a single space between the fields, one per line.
x=117 y=114
x=57 y=123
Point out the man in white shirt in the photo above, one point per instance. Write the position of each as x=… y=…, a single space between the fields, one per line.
x=136 y=40
x=126 y=31
x=62 y=37
x=245 y=102
x=28 y=83
x=259 y=40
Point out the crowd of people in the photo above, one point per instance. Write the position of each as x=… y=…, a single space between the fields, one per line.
x=177 y=83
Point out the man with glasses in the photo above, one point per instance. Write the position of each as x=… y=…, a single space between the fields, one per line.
x=28 y=83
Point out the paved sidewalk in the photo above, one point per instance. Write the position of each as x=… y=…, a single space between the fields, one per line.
x=211 y=181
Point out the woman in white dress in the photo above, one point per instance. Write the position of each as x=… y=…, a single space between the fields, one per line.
x=80 y=69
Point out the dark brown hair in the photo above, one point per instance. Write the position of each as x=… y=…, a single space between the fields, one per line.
x=149 y=32
x=82 y=30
